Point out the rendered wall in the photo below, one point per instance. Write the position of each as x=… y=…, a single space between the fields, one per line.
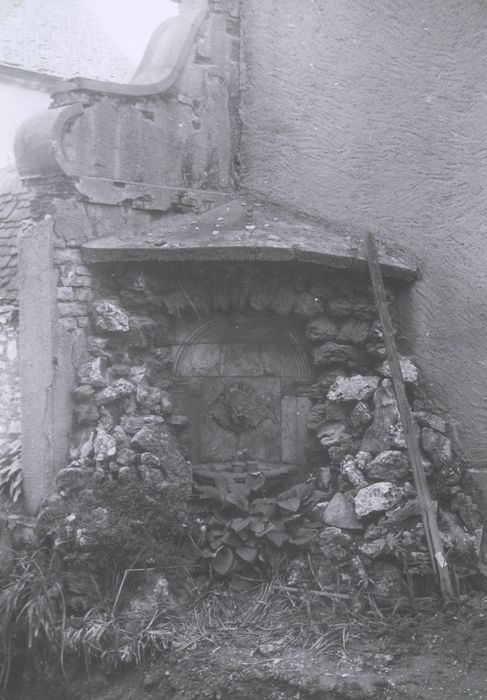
x=374 y=114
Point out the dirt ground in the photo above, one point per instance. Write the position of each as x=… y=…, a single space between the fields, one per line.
x=436 y=656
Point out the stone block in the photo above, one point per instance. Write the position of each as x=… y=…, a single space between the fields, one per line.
x=308 y=305
x=115 y=391
x=109 y=318
x=356 y=388
x=72 y=309
x=377 y=498
x=321 y=329
x=390 y=465
x=340 y=513
x=65 y=294
x=354 y=332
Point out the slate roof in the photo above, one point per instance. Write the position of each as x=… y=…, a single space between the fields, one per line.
x=58 y=38
x=14 y=208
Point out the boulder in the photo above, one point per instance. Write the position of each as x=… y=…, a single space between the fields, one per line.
x=72 y=479
x=150 y=460
x=166 y=403
x=154 y=478
x=436 y=446
x=337 y=453
x=332 y=353
x=83 y=392
x=324 y=478
x=332 y=433
x=109 y=318
x=354 y=332
x=93 y=373
x=86 y=412
x=126 y=457
x=125 y=475
x=410 y=509
x=350 y=469
x=386 y=579
x=132 y=424
x=430 y=420
x=377 y=498
x=156 y=438
x=391 y=465
x=340 y=513
x=340 y=307
x=356 y=388
x=321 y=328
x=360 y=417
x=324 y=382
x=105 y=446
x=308 y=305
x=408 y=368
x=117 y=390
x=377 y=437
x=335 y=544
x=316 y=415
x=121 y=437
x=148 y=396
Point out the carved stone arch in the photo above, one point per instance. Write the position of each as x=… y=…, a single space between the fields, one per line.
x=242 y=378
x=263 y=333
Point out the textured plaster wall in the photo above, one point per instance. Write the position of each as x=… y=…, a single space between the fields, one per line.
x=374 y=114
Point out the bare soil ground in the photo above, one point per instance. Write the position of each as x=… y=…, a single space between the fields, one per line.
x=431 y=655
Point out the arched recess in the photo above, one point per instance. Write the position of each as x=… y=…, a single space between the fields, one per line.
x=242 y=379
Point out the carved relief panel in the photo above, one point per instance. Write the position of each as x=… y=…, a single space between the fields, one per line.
x=241 y=379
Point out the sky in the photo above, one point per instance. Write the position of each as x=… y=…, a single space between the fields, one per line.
x=133 y=22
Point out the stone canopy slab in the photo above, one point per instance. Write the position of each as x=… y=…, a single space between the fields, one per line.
x=246 y=230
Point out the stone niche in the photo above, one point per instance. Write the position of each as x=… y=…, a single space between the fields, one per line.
x=236 y=358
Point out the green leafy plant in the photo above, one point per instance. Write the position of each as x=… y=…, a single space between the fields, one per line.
x=249 y=530
x=31 y=610
x=11 y=471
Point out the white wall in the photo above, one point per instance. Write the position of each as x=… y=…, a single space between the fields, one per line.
x=16 y=105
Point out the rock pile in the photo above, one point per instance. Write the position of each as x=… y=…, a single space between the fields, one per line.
x=373 y=530
x=127 y=429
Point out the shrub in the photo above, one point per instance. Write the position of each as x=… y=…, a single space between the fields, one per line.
x=249 y=531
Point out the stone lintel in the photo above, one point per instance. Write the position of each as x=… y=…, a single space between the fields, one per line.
x=250 y=231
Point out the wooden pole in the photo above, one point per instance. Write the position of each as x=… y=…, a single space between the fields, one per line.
x=427 y=511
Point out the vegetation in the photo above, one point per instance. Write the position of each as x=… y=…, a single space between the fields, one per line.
x=248 y=530
x=11 y=471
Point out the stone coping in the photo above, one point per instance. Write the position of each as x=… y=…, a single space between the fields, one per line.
x=245 y=230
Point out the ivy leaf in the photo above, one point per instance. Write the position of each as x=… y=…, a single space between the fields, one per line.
x=237 y=499
x=239 y=524
x=266 y=506
x=231 y=539
x=277 y=537
x=209 y=492
x=248 y=554
x=223 y=561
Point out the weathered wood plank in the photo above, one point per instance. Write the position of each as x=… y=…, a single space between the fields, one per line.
x=425 y=503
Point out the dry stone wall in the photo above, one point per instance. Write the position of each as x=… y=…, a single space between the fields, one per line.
x=128 y=428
